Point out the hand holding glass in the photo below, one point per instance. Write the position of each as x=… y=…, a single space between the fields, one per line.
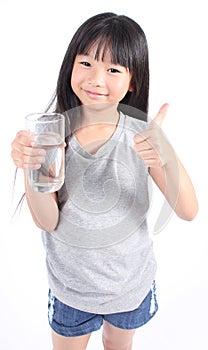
x=48 y=132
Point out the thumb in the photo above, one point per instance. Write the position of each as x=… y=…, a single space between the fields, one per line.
x=160 y=116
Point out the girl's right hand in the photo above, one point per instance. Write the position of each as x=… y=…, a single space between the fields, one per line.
x=24 y=153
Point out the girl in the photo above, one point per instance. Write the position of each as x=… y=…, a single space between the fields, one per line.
x=100 y=261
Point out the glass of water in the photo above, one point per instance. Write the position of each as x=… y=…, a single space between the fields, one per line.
x=48 y=132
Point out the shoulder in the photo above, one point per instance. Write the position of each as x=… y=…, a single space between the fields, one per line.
x=130 y=127
x=133 y=124
x=135 y=118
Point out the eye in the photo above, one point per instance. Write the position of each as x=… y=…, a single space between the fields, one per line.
x=113 y=70
x=85 y=63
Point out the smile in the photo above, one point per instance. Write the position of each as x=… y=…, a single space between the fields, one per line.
x=94 y=95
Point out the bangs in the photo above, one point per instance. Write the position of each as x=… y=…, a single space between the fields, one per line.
x=116 y=37
x=117 y=43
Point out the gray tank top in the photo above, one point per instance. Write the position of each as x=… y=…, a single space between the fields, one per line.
x=100 y=257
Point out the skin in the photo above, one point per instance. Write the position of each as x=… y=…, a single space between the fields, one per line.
x=166 y=168
x=96 y=82
x=100 y=86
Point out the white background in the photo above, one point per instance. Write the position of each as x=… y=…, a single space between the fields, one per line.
x=34 y=36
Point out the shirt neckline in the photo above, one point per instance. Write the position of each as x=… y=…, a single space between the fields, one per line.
x=106 y=147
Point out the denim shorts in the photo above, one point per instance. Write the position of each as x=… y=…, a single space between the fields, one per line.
x=70 y=322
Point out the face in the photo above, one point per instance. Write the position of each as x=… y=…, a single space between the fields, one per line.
x=99 y=81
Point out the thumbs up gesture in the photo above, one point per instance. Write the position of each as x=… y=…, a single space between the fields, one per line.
x=151 y=144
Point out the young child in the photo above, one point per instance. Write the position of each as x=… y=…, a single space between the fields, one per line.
x=100 y=260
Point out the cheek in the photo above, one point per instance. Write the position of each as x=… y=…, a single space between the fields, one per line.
x=73 y=78
x=121 y=89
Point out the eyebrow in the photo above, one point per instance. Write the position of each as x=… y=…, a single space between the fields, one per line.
x=87 y=54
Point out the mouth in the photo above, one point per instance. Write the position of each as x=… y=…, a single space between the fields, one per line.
x=95 y=95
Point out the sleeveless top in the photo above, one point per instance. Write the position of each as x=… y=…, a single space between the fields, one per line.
x=100 y=257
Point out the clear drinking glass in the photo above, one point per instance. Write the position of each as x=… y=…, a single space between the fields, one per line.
x=48 y=132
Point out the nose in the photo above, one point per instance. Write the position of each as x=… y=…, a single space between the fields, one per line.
x=96 y=77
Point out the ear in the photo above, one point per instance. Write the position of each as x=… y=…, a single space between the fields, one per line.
x=131 y=85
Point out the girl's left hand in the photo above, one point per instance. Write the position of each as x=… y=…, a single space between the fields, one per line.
x=151 y=144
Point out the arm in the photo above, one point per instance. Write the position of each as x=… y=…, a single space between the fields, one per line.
x=43 y=206
x=166 y=169
x=174 y=182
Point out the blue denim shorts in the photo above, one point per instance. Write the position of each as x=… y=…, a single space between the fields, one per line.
x=70 y=322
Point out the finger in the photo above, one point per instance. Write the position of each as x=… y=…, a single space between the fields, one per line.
x=24 y=137
x=160 y=116
x=142 y=146
x=142 y=136
x=27 y=151
x=145 y=155
x=28 y=166
x=27 y=157
x=152 y=163
x=27 y=162
x=23 y=143
x=33 y=160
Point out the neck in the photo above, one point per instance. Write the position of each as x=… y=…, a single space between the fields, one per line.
x=99 y=114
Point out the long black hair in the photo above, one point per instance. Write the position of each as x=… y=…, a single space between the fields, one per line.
x=128 y=47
